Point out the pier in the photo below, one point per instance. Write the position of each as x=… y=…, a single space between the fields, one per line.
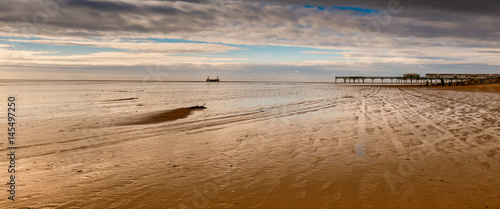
x=361 y=79
x=410 y=78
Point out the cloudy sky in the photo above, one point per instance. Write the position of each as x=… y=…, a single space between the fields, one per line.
x=246 y=40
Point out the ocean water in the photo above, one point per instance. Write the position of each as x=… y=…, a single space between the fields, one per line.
x=103 y=100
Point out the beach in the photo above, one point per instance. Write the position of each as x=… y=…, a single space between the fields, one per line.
x=130 y=144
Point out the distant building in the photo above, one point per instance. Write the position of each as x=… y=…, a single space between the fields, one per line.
x=489 y=76
x=431 y=75
x=463 y=76
x=482 y=76
x=497 y=76
x=411 y=75
x=447 y=76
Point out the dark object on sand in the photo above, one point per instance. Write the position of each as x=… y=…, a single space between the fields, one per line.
x=116 y=100
x=198 y=106
x=212 y=80
x=159 y=117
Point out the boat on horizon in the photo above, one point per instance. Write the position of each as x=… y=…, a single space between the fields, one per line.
x=212 y=80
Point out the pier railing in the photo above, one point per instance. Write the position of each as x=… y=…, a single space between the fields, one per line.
x=361 y=79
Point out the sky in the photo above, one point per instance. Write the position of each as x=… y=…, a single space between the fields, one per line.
x=241 y=40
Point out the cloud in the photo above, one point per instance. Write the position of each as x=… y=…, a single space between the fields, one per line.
x=103 y=59
x=246 y=22
x=440 y=34
x=166 y=48
x=489 y=7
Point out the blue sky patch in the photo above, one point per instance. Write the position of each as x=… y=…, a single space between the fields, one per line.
x=276 y=54
x=357 y=9
x=317 y=7
x=57 y=49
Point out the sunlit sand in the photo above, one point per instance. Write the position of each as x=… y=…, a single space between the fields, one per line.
x=257 y=145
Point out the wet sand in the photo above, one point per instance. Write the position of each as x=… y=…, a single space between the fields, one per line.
x=370 y=147
x=493 y=88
